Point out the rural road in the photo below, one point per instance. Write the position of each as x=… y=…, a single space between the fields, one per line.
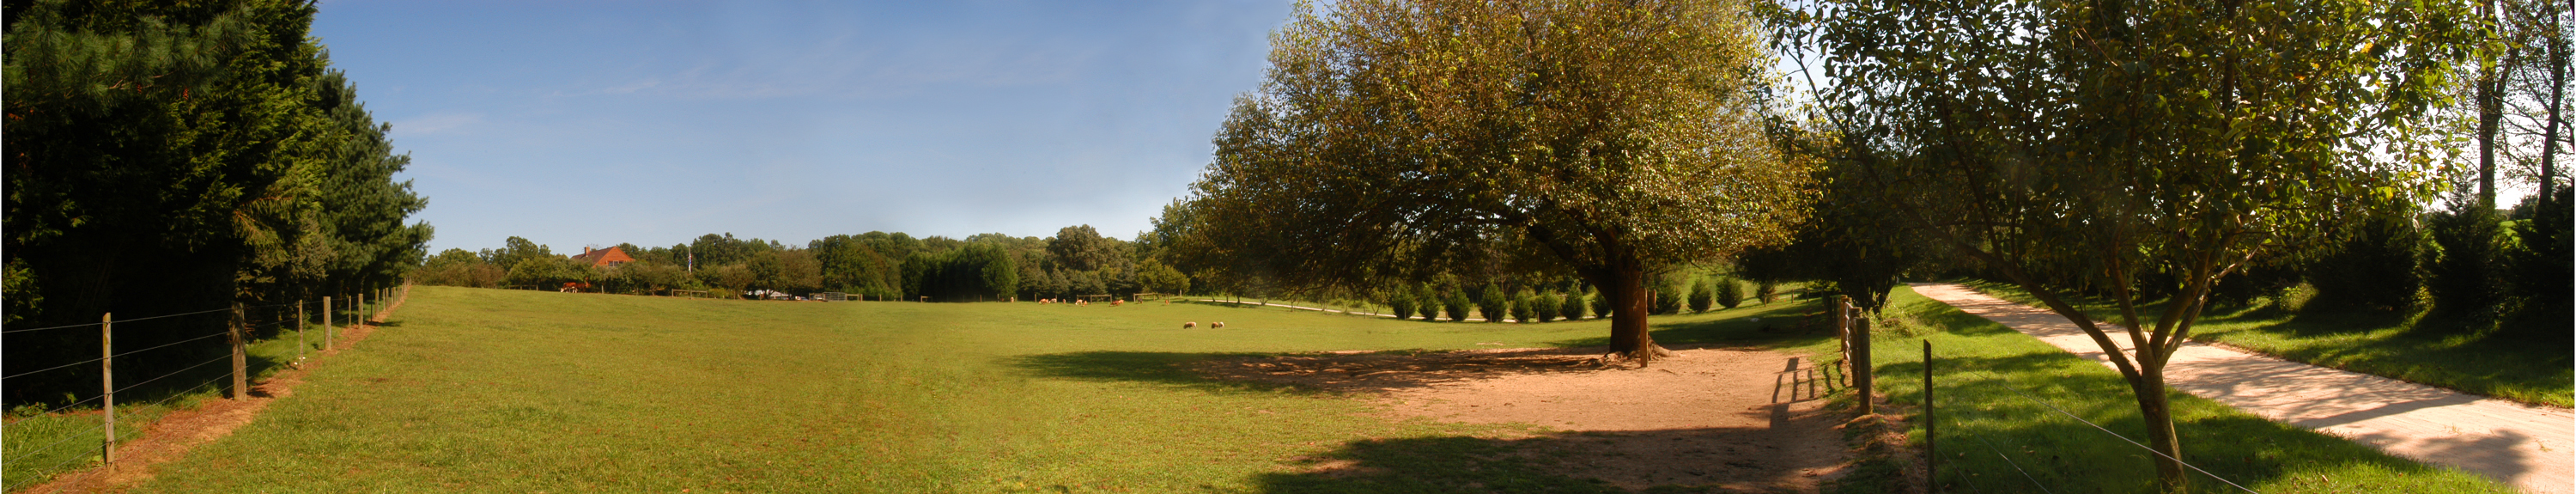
x=2529 y=447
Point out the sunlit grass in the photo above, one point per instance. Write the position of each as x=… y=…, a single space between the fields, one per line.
x=2410 y=347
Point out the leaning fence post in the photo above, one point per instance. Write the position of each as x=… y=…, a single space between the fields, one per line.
x=241 y=373
x=107 y=383
x=1931 y=451
x=1860 y=364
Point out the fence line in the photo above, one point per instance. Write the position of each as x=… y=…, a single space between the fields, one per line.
x=384 y=303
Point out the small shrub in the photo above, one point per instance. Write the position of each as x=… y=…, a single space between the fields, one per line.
x=1492 y=304
x=1572 y=305
x=1730 y=293
x=1549 y=307
x=1521 y=310
x=1668 y=300
x=1600 y=306
x=2467 y=280
x=1457 y=305
x=1702 y=294
x=1400 y=303
x=2373 y=268
x=1767 y=292
x=2542 y=270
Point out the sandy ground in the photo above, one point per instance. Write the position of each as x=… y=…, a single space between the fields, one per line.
x=2527 y=446
x=1732 y=418
x=175 y=434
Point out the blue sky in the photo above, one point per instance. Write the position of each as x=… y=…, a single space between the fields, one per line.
x=594 y=123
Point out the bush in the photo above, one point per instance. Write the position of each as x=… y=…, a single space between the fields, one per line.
x=1767 y=292
x=1492 y=304
x=1601 y=306
x=1702 y=293
x=1668 y=300
x=1547 y=306
x=1572 y=305
x=1457 y=305
x=1400 y=303
x=1730 y=293
x=1521 y=306
x=2467 y=278
x=2542 y=271
x=2372 y=268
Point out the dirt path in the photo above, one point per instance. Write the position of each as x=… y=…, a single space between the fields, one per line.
x=1732 y=418
x=2519 y=444
x=175 y=434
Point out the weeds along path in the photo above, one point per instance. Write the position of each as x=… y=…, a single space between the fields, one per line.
x=2518 y=444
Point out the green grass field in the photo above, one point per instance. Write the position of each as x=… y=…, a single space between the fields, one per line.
x=2402 y=346
x=1993 y=438
x=518 y=391
x=492 y=390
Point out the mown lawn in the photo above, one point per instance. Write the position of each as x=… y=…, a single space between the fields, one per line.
x=514 y=391
x=1994 y=389
x=2412 y=347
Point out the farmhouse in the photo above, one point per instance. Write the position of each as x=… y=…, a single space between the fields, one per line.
x=608 y=257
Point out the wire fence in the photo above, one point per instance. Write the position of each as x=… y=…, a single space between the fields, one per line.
x=104 y=435
x=1999 y=381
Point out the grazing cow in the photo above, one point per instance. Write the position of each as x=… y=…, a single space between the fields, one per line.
x=1115 y=303
x=574 y=287
x=1218 y=325
x=1188 y=325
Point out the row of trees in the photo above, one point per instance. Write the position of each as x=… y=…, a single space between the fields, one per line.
x=175 y=157
x=2160 y=156
x=878 y=265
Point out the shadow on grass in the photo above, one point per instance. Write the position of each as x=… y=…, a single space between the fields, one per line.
x=1995 y=431
x=1678 y=460
x=1334 y=372
x=1790 y=324
x=1163 y=368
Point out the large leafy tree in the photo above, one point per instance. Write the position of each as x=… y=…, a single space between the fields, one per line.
x=2088 y=144
x=1615 y=139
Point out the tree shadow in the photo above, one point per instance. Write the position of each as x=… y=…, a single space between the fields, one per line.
x=1789 y=324
x=1324 y=372
x=1998 y=434
x=1677 y=460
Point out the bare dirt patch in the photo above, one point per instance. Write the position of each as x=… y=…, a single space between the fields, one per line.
x=1726 y=418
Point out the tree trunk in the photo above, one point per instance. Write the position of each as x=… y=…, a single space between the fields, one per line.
x=1626 y=288
x=2490 y=101
x=2157 y=408
x=2558 y=47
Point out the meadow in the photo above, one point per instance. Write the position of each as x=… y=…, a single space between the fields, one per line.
x=494 y=390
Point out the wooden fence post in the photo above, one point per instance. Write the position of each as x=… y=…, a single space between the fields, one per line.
x=299 y=332
x=107 y=383
x=327 y=330
x=241 y=364
x=1931 y=451
x=1861 y=379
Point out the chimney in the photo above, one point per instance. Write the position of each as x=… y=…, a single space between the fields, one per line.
x=585 y=250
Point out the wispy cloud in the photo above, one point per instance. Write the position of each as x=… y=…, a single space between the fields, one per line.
x=437 y=123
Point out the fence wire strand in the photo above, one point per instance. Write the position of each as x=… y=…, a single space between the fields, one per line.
x=246 y=307
x=2060 y=411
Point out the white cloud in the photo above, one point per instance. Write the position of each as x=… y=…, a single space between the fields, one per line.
x=437 y=123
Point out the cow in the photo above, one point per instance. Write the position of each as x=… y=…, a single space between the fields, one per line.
x=1217 y=325
x=574 y=287
x=1188 y=325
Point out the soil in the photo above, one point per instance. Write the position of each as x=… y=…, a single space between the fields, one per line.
x=175 y=434
x=1735 y=419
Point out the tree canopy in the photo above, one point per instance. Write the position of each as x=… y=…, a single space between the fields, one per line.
x=1610 y=139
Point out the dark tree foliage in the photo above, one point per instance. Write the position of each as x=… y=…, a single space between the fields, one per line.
x=2374 y=268
x=2467 y=279
x=2541 y=262
x=970 y=273
x=168 y=157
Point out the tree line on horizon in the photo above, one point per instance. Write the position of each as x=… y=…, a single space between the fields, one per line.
x=1076 y=261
